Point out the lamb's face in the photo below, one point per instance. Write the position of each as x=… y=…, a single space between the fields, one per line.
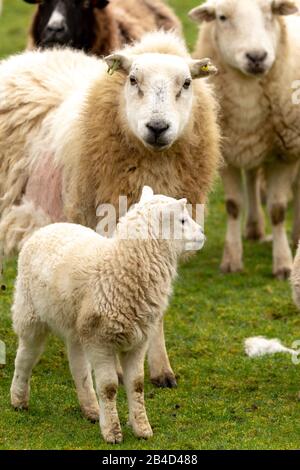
x=247 y=33
x=159 y=95
x=162 y=218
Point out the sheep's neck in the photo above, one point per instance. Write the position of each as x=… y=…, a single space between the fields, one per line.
x=145 y=257
x=148 y=267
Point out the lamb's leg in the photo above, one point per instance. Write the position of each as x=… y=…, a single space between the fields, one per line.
x=161 y=373
x=81 y=372
x=279 y=178
x=255 y=227
x=103 y=362
x=29 y=351
x=133 y=369
x=296 y=223
x=233 y=249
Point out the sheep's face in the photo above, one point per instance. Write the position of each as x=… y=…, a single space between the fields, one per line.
x=247 y=33
x=162 y=218
x=65 y=22
x=159 y=94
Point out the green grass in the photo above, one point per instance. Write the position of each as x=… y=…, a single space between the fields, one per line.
x=224 y=400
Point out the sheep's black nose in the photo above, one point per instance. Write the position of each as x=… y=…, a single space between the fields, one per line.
x=158 y=128
x=56 y=28
x=257 y=57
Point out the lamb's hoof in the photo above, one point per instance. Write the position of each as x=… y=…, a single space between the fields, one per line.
x=113 y=436
x=166 y=380
x=19 y=404
x=92 y=414
x=254 y=232
x=283 y=274
x=228 y=267
x=144 y=432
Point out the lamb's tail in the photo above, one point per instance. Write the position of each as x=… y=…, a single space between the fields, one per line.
x=260 y=346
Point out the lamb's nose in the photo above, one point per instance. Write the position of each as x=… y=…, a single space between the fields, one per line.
x=257 y=57
x=158 y=128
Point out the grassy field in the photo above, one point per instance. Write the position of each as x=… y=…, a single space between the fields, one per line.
x=224 y=400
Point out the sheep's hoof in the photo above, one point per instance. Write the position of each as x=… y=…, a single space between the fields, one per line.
x=18 y=405
x=167 y=380
x=254 y=231
x=144 y=433
x=91 y=414
x=283 y=274
x=228 y=267
x=114 y=436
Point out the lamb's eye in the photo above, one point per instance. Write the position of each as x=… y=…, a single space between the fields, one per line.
x=133 y=81
x=187 y=84
x=223 y=18
x=183 y=221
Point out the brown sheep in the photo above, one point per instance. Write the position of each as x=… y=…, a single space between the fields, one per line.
x=97 y=26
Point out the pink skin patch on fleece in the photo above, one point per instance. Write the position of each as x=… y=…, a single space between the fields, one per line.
x=44 y=189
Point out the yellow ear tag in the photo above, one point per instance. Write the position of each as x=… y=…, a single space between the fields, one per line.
x=115 y=65
x=205 y=68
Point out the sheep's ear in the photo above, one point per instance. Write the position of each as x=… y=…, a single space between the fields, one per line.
x=118 y=62
x=183 y=200
x=202 y=68
x=284 y=7
x=33 y=1
x=147 y=194
x=100 y=3
x=205 y=12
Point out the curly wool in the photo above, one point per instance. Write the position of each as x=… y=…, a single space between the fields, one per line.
x=100 y=158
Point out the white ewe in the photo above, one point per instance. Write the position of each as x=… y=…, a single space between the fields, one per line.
x=103 y=296
x=74 y=138
x=256 y=48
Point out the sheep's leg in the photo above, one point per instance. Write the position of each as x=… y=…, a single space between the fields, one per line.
x=81 y=372
x=104 y=365
x=133 y=369
x=255 y=226
x=29 y=351
x=296 y=223
x=161 y=373
x=279 y=179
x=233 y=249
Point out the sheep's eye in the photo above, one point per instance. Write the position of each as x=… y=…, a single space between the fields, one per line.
x=133 y=81
x=183 y=221
x=222 y=18
x=187 y=84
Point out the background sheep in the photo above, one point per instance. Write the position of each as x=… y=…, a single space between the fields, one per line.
x=257 y=52
x=97 y=26
x=108 y=135
x=102 y=296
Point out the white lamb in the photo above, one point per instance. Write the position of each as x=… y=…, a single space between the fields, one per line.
x=256 y=48
x=102 y=296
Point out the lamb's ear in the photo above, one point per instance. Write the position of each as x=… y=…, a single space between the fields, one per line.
x=33 y=1
x=100 y=3
x=118 y=61
x=147 y=194
x=202 y=68
x=205 y=12
x=183 y=201
x=284 y=7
